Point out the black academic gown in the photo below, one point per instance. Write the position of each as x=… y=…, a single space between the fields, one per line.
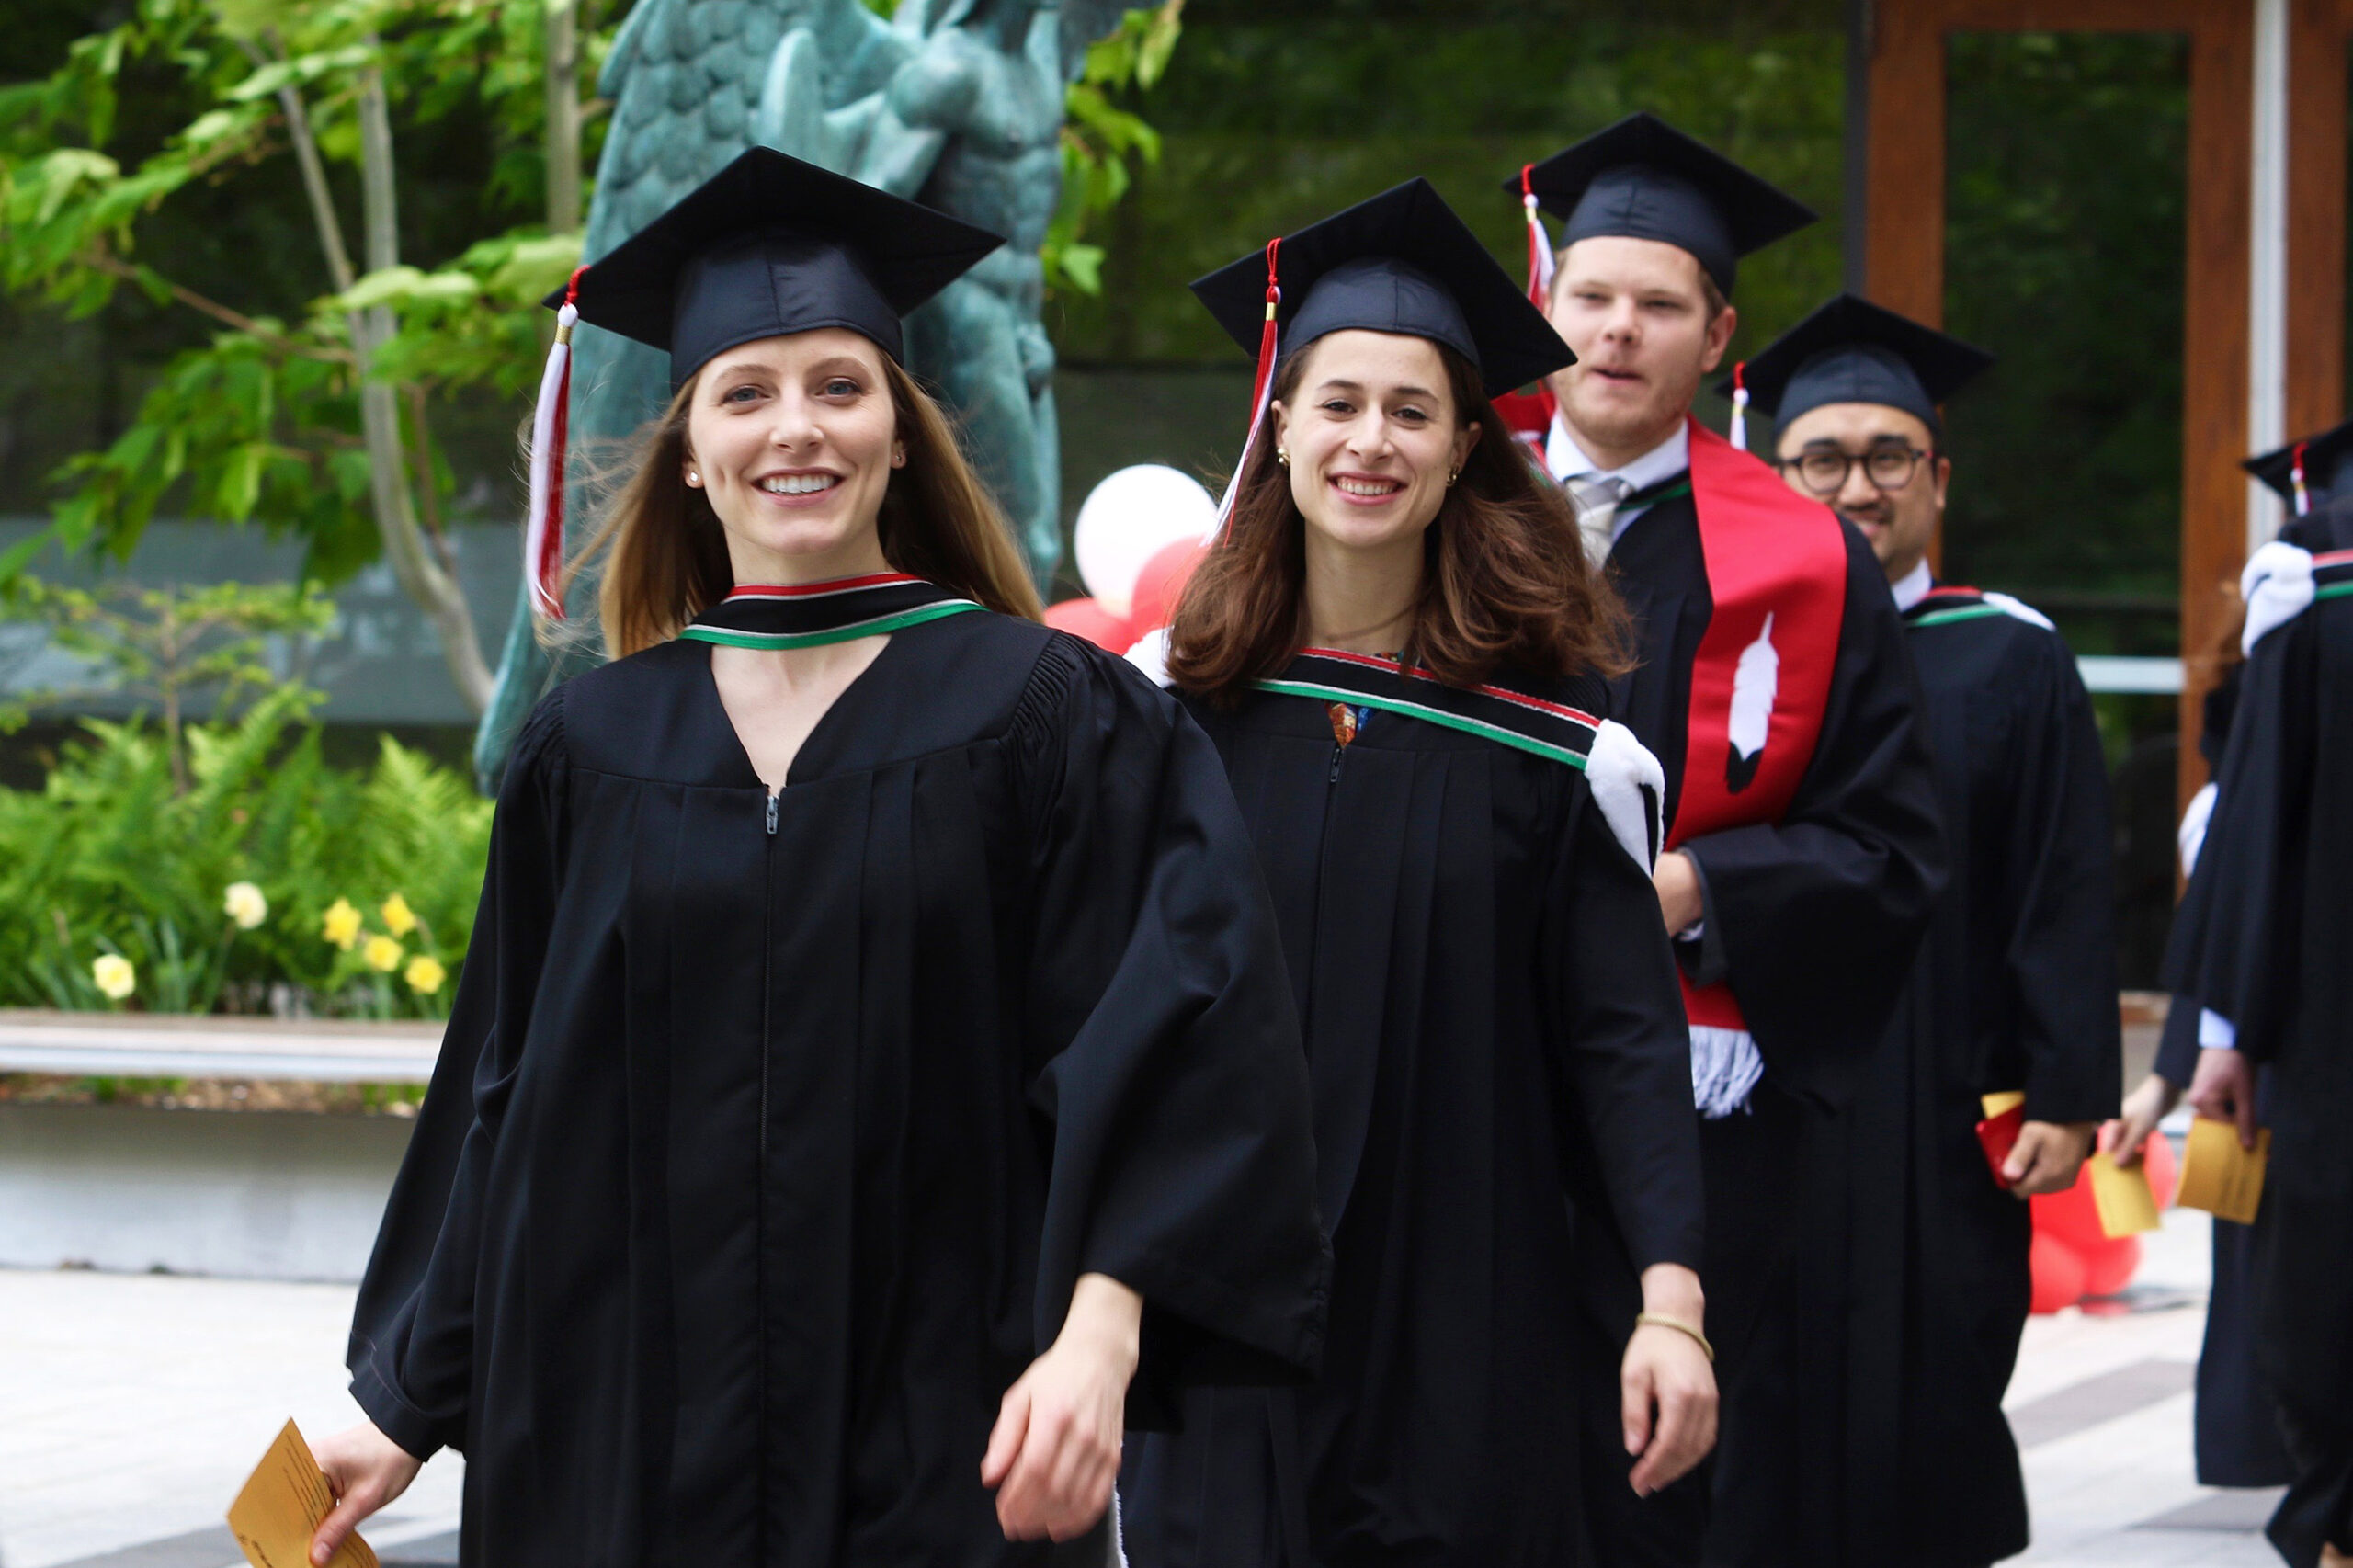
x=2273 y=937
x=2235 y=1426
x=1813 y=920
x=1920 y=1256
x=767 y=1143
x=1487 y=996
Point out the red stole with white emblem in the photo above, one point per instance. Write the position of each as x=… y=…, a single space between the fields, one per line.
x=1760 y=683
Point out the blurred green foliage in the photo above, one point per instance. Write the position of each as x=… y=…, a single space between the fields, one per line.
x=1103 y=142
x=166 y=647
x=1275 y=115
x=2066 y=250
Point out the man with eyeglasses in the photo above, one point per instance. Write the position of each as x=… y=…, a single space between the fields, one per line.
x=1921 y=1227
x=1801 y=846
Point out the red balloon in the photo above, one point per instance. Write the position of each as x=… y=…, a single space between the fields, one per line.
x=2111 y=1268
x=1085 y=617
x=2071 y=1216
x=1162 y=580
x=2058 y=1274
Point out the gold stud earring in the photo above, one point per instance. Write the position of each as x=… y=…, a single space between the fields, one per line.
x=1282 y=456
x=1452 y=477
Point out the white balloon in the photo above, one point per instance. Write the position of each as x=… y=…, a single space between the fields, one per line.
x=1128 y=518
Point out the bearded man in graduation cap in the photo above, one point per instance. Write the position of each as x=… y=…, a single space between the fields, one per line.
x=2258 y=950
x=1919 y=1247
x=1773 y=684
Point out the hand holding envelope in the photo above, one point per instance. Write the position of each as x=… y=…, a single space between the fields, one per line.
x=281 y=1507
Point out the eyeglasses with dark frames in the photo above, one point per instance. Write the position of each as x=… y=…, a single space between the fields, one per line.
x=1888 y=464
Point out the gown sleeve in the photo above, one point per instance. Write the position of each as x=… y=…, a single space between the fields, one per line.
x=2177 y=1058
x=2060 y=960
x=411 y=1353
x=2242 y=966
x=1624 y=1048
x=1172 y=1071
x=1819 y=913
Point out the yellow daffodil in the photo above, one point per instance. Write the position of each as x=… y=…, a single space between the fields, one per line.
x=425 y=974
x=399 y=918
x=114 y=976
x=341 y=924
x=244 y=905
x=382 y=953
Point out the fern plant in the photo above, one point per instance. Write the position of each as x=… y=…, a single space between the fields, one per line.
x=107 y=857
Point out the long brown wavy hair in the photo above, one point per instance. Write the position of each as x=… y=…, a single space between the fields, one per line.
x=1505 y=582
x=669 y=559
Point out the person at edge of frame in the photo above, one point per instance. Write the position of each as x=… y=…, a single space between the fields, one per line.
x=1400 y=651
x=2235 y=1426
x=1773 y=684
x=1918 y=1246
x=2259 y=946
x=873 y=1082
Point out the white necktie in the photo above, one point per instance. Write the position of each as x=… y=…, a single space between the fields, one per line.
x=1597 y=498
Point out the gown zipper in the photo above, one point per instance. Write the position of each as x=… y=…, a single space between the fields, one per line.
x=760 y=1227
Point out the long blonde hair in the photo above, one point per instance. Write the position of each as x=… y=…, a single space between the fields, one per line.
x=669 y=559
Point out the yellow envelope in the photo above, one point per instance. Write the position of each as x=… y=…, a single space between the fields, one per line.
x=2218 y=1176
x=2126 y=1205
x=281 y=1507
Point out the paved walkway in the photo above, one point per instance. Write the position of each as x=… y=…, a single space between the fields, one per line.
x=132 y=1408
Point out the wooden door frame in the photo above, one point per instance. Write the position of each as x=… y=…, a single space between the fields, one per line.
x=1905 y=244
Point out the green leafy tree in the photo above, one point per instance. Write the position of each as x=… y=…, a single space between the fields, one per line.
x=318 y=421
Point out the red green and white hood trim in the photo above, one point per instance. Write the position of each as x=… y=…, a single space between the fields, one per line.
x=808 y=615
x=1626 y=780
x=2281 y=582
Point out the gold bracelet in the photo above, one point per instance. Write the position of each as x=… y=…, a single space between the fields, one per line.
x=1660 y=1320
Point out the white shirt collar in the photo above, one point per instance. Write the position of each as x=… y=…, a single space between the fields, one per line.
x=1563 y=458
x=1914 y=586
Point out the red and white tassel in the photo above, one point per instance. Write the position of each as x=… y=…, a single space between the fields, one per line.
x=1740 y=405
x=1262 y=392
x=1540 y=243
x=2296 y=476
x=543 y=529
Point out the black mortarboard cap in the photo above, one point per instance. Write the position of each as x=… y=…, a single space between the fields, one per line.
x=1853 y=351
x=1400 y=262
x=771 y=245
x=1643 y=179
x=2325 y=463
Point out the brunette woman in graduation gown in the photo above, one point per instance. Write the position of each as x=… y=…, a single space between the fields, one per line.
x=874 y=1048
x=1396 y=645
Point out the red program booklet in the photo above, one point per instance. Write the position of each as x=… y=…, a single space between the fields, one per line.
x=1998 y=1133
